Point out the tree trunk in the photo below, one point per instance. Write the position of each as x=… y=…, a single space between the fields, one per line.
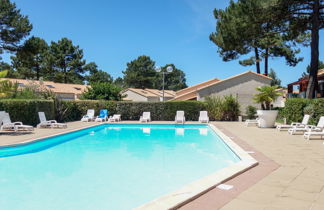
x=312 y=82
x=257 y=60
x=37 y=72
x=65 y=77
x=266 y=58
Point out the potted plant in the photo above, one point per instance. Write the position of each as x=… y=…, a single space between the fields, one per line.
x=266 y=95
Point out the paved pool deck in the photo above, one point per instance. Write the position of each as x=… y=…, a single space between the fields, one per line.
x=290 y=175
x=298 y=182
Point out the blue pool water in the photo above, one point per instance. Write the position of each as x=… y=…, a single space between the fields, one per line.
x=115 y=167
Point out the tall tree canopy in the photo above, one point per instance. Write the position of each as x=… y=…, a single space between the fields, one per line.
x=302 y=16
x=249 y=26
x=175 y=80
x=67 y=62
x=31 y=59
x=140 y=73
x=13 y=26
x=96 y=75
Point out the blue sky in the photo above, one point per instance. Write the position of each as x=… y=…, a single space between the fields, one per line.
x=112 y=33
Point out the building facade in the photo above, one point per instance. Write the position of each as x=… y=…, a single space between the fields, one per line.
x=242 y=86
x=150 y=95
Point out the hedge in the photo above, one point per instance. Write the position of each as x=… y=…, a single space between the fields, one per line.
x=26 y=110
x=74 y=110
x=295 y=108
x=66 y=111
x=160 y=110
x=133 y=110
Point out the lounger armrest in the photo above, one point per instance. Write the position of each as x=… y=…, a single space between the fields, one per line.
x=295 y=124
x=17 y=123
x=52 y=121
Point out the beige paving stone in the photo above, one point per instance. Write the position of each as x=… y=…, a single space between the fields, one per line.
x=290 y=204
x=317 y=206
x=307 y=185
x=320 y=198
x=264 y=189
x=241 y=204
x=300 y=195
x=257 y=197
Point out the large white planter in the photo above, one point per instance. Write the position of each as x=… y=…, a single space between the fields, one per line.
x=267 y=118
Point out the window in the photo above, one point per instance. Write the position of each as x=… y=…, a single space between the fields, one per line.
x=77 y=88
x=50 y=86
x=21 y=85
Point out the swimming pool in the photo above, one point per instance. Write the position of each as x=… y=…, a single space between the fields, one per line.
x=114 y=167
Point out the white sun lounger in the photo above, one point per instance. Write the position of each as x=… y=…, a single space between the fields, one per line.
x=308 y=128
x=7 y=125
x=295 y=124
x=146 y=117
x=180 y=117
x=115 y=118
x=203 y=117
x=89 y=116
x=309 y=134
x=49 y=123
x=252 y=122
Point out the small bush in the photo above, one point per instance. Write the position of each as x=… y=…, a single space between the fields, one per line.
x=316 y=108
x=251 y=112
x=226 y=108
x=215 y=107
x=294 y=109
x=231 y=108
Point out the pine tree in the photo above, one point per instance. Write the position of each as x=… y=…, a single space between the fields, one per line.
x=66 y=62
x=13 y=26
x=249 y=26
x=305 y=16
x=31 y=59
x=140 y=73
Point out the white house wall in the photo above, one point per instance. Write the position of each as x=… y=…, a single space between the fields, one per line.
x=242 y=87
x=134 y=96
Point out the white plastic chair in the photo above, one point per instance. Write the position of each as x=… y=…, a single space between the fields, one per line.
x=49 y=123
x=146 y=117
x=252 y=122
x=7 y=125
x=115 y=118
x=295 y=124
x=89 y=116
x=308 y=128
x=180 y=117
x=203 y=117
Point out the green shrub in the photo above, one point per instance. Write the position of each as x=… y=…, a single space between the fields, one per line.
x=231 y=108
x=316 y=108
x=294 y=109
x=226 y=108
x=165 y=111
x=251 y=112
x=215 y=107
x=26 y=111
